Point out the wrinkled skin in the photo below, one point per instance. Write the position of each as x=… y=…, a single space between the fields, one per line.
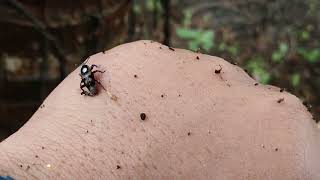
x=199 y=125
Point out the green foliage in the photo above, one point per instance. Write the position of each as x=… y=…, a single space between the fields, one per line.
x=151 y=5
x=312 y=55
x=305 y=35
x=257 y=67
x=197 y=38
x=137 y=8
x=280 y=53
x=231 y=49
x=295 y=79
x=187 y=17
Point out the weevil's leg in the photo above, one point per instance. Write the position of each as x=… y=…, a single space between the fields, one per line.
x=101 y=85
x=82 y=85
x=98 y=71
x=93 y=65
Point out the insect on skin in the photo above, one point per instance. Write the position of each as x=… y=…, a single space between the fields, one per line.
x=88 y=80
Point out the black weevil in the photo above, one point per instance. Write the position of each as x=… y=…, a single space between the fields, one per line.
x=88 y=80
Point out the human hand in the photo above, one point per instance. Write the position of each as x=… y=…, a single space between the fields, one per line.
x=201 y=123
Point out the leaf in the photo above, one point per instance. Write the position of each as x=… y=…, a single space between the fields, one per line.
x=197 y=38
x=280 y=53
x=187 y=33
x=312 y=55
x=295 y=79
x=305 y=35
x=258 y=66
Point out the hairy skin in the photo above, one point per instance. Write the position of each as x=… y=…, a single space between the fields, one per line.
x=200 y=124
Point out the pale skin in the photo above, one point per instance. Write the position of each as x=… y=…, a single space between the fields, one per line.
x=199 y=124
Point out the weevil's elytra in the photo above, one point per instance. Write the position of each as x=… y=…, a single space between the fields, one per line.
x=88 y=80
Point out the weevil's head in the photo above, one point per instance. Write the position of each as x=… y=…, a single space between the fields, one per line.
x=85 y=70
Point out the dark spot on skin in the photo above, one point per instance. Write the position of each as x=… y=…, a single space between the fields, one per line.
x=162 y=95
x=276 y=149
x=42 y=147
x=189 y=133
x=135 y=76
x=179 y=95
x=87 y=131
x=171 y=48
x=21 y=165
x=263 y=146
x=118 y=167
x=282 y=89
x=143 y=116
x=42 y=106
x=245 y=70
x=280 y=100
x=198 y=58
x=160 y=47
x=144 y=43
x=28 y=167
x=36 y=156
x=218 y=71
x=256 y=84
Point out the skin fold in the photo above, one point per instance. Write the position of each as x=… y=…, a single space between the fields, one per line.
x=200 y=124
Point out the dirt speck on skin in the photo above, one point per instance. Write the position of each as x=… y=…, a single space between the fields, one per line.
x=118 y=167
x=21 y=165
x=197 y=57
x=87 y=131
x=256 y=84
x=276 y=149
x=143 y=116
x=162 y=95
x=280 y=100
x=36 y=156
x=218 y=71
x=114 y=98
x=135 y=76
x=171 y=48
x=189 y=133
x=42 y=147
x=307 y=105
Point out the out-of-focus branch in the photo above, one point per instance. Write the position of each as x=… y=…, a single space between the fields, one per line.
x=41 y=28
x=166 y=28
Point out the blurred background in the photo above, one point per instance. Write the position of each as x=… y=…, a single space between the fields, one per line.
x=41 y=41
